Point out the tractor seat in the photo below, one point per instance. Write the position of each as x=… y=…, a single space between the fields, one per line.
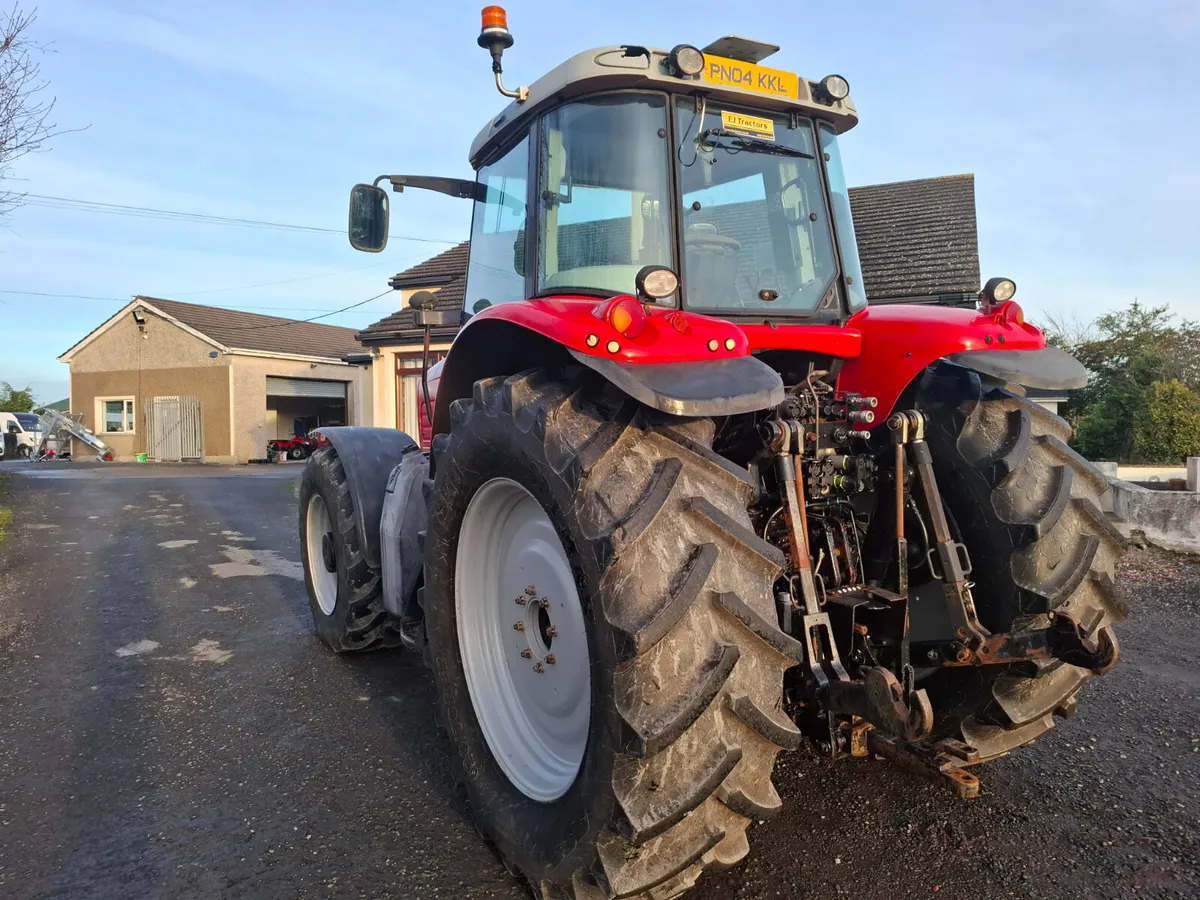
x=711 y=262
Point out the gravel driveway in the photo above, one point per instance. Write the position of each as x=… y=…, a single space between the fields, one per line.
x=169 y=727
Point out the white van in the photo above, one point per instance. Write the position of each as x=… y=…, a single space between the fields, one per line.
x=28 y=428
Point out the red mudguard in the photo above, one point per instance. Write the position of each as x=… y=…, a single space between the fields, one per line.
x=899 y=341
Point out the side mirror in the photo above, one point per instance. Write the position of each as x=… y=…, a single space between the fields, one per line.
x=368 y=218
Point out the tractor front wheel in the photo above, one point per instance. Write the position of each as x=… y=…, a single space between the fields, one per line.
x=344 y=593
x=602 y=637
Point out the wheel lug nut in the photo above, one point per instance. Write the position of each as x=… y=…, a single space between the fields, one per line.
x=553 y=631
x=539 y=668
x=525 y=654
x=518 y=626
x=550 y=659
x=931 y=655
x=521 y=601
x=531 y=590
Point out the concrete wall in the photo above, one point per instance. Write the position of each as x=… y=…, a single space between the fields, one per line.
x=160 y=361
x=248 y=394
x=1151 y=473
x=1168 y=519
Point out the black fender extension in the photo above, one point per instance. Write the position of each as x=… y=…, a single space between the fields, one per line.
x=1049 y=368
x=707 y=387
x=368 y=456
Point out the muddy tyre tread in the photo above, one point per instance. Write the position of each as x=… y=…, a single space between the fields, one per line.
x=1036 y=504
x=365 y=624
x=664 y=535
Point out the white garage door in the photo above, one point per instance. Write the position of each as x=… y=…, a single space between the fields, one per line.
x=305 y=387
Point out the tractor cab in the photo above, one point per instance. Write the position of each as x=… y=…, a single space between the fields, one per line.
x=703 y=162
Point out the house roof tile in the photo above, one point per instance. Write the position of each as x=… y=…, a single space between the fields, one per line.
x=917 y=238
x=239 y=330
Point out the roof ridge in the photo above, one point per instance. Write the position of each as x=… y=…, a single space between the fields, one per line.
x=241 y=312
x=960 y=177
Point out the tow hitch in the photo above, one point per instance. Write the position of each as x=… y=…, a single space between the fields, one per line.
x=1065 y=639
x=866 y=705
x=950 y=562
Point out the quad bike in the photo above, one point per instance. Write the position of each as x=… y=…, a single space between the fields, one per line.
x=293 y=447
x=689 y=500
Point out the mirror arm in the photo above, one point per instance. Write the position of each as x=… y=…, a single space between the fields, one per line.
x=453 y=187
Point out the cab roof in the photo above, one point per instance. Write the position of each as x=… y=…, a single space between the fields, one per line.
x=631 y=66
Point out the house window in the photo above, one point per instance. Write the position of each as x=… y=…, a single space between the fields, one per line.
x=115 y=415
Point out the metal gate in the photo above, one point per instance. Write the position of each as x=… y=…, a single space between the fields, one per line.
x=174 y=429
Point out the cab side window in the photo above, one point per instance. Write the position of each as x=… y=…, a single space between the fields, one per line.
x=496 y=273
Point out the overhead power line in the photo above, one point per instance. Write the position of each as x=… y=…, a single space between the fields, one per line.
x=313 y=319
x=231 y=308
x=147 y=212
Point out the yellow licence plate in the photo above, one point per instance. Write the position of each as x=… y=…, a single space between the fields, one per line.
x=731 y=73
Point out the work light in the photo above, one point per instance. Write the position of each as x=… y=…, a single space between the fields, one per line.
x=835 y=87
x=656 y=282
x=686 y=60
x=997 y=290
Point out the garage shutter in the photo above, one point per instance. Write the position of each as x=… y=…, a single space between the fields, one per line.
x=304 y=387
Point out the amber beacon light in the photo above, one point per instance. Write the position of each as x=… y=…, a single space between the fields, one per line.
x=495 y=37
x=495 y=27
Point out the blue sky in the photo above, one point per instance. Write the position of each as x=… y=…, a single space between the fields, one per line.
x=1079 y=118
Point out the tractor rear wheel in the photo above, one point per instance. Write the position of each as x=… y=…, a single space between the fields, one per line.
x=603 y=638
x=1028 y=508
x=344 y=593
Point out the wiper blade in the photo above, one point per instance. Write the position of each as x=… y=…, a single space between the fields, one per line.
x=753 y=145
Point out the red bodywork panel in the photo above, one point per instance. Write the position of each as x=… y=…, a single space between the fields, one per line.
x=899 y=341
x=884 y=348
x=668 y=336
x=834 y=340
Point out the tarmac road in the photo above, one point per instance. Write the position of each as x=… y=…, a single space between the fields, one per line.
x=169 y=727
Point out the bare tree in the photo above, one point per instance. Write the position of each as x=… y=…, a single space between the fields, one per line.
x=25 y=111
x=1067 y=329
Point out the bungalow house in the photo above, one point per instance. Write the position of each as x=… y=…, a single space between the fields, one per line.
x=182 y=381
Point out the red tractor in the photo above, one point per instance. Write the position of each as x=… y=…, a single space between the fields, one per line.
x=689 y=500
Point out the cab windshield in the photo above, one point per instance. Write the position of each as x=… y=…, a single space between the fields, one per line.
x=756 y=231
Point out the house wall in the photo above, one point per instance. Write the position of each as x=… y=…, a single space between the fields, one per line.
x=161 y=361
x=248 y=396
x=383 y=370
x=384 y=380
x=165 y=360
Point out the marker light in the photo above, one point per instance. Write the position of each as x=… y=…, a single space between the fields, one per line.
x=1009 y=313
x=835 y=87
x=626 y=316
x=686 y=60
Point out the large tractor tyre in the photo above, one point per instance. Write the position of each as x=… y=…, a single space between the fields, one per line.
x=1027 y=507
x=344 y=593
x=603 y=639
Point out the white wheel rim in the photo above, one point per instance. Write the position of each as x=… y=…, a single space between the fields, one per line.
x=317 y=524
x=534 y=709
